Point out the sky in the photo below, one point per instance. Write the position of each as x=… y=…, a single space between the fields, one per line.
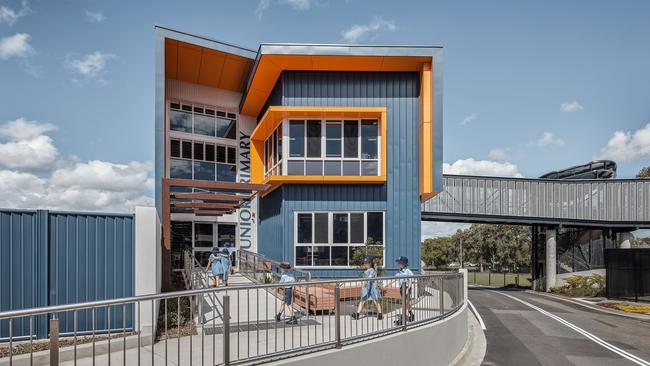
x=529 y=87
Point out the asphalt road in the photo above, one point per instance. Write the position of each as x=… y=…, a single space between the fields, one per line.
x=528 y=329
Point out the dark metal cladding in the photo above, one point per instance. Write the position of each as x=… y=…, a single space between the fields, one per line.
x=399 y=197
x=599 y=169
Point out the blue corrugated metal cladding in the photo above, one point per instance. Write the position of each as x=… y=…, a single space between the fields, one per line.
x=399 y=197
x=54 y=258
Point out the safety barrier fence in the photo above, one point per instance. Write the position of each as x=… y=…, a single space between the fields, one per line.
x=260 y=269
x=244 y=326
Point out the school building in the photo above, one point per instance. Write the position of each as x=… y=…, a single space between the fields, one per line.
x=301 y=152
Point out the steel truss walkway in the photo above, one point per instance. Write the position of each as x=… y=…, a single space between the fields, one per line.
x=601 y=202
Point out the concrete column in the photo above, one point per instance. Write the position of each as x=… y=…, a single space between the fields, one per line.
x=626 y=240
x=148 y=264
x=551 y=259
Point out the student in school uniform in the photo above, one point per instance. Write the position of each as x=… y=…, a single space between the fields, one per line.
x=288 y=278
x=370 y=290
x=215 y=266
x=405 y=287
x=225 y=263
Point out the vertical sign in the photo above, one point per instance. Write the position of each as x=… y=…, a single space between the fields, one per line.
x=247 y=214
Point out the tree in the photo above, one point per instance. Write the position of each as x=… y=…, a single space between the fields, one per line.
x=644 y=172
x=498 y=247
x=439 y=251
x=370 y=248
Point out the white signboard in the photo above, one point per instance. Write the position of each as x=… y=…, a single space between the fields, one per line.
x=247 y=214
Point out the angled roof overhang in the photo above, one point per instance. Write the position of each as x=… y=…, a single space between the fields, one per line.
x=272 y=59
x=205 y=61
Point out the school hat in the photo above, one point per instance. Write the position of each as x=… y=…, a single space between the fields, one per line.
x=402 y=260
x=215 y=250
x=368 y=259
x=285 y=265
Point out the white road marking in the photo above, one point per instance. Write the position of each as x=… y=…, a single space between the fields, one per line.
x=478 y=316
x=595 y=339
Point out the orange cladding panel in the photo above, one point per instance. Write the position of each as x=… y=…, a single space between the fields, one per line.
x=233 y=71
x=189 y=62
x=211 y=68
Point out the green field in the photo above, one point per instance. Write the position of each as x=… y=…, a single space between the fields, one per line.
x=498 y=279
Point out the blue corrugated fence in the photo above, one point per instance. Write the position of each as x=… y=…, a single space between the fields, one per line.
x=54 y=258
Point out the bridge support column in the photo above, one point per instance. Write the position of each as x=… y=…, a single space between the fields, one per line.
x=626 y=240
x=551 y=260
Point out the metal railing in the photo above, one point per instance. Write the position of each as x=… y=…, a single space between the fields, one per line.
x=189 y=331
x=260 y=269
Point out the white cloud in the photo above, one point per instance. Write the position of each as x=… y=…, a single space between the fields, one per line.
x=22 y=129
x=91 y=65
x=499 y=154
x=432 y=229
x=95 y=16
x=26 y=147
x=468 y=119
x=301 y=5
x=10 y=16
x=89 y=186
x=481 y=167
x=548 y=139
x=570 y=107
x=15 y=46
x=628 y=146
x=370 y=31
x=262 y=5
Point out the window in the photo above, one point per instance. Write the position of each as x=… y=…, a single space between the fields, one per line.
x=180 y=121
x=203 y=236
x=196 y=160
x=272 y=153
x=201 y=120
x=297 y=139
x=330 y=238
x=368 y=139
x=351 y=139
x=329 y=148
x=226 y=235
x=313 y=139
x=333 y=139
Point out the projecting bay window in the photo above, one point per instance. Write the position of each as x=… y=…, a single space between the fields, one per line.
x=330 y=239
x=349 y=147
x=202 y=161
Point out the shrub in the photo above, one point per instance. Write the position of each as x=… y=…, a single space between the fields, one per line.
x=582 y=286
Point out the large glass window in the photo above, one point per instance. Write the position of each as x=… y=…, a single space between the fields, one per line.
x=226 y=235
x=202 y=120
x=349 y=231
x=202 y=161
x=203 y=235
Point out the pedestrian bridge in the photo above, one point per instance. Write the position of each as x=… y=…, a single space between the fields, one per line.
x=599 y=202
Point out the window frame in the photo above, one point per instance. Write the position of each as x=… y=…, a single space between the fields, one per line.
x=330 y=229
x=324 y=122
x=228 y=150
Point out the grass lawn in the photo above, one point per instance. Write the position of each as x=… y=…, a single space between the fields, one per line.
x=498 y=279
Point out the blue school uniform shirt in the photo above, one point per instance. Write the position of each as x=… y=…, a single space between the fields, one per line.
x=287 y=277
x=217 y=266
x=225 y=261
x=403 y=273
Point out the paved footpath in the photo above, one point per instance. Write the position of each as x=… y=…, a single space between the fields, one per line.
x=529 y=329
